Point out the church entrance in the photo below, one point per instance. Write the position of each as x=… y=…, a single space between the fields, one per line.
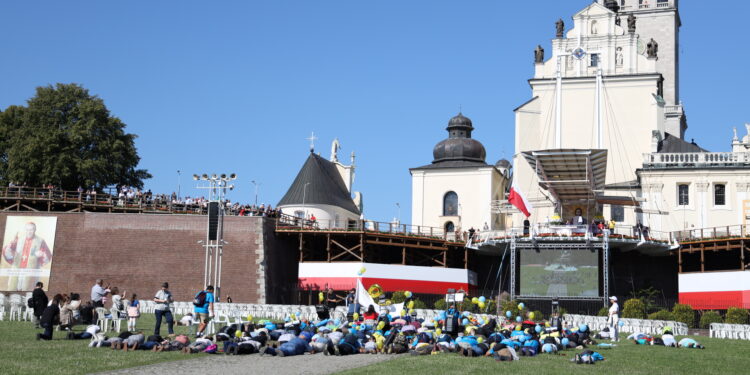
x=449 y=227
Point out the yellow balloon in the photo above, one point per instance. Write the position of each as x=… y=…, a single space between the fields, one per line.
x=381 y=325
x=481 y=304
x=480 y=339
x=518 y=327
x=411 y=304
x=475 y=300
x=321 y=297
x=238 y=333
x=388 y=302
x=438 y=331
x=249 y=318
x=356 y=316
x=362 y=271
x=531 y=315
x=403 y=312
x=407 y=294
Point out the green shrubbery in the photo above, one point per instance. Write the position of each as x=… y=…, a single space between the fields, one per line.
x=709 y=317
x=685 y=314
x=634 y=308
x=604 y=311
x=661 y=315
x=736 y=315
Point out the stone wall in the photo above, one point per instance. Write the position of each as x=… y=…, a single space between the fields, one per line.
x=137 y=252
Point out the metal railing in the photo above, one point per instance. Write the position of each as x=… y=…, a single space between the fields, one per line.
x=573 y=232
x=695 y=159
x=294 y=223
x=714 y=233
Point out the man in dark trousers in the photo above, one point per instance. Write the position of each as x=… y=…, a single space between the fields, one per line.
x=39 y=302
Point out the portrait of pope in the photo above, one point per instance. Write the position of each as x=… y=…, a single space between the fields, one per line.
x=26 y=250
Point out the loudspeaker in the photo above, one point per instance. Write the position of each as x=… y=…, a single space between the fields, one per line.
x=213 y=220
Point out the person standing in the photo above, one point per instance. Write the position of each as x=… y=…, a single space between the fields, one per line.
x=204 y=308
x=97 y=293
x=39 y=302
x=614 y=318
x=163 y=299
x=352 y=305
x=50 y=318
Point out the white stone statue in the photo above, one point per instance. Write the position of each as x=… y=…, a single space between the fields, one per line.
x=335 y=146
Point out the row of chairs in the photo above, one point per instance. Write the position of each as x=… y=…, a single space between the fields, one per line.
x=16 y=307
x=651 y=327
x=730 y=331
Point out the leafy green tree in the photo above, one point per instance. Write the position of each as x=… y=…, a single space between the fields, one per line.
x=67 y=137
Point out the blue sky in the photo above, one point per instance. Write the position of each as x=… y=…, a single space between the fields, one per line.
x=238 y=86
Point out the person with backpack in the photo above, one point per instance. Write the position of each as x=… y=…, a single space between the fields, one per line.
x=38 y=302
x=204 y=308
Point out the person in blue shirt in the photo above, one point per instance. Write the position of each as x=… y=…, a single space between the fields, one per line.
x=205 y=312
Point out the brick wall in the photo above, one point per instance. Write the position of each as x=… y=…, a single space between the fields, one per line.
x=137 y=252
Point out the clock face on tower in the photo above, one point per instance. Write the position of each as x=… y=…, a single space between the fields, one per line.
x=641 y=47
x=579 y=53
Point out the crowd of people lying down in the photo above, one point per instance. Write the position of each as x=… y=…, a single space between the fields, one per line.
x=450 y=332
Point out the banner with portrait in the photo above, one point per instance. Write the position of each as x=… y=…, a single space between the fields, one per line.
x=28 y=246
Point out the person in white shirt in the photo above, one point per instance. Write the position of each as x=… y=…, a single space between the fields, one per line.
x=163 y=299
x=614 y=318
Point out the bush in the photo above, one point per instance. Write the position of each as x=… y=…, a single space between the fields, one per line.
x=661 y=315
x=511 y=306
x=604 y=311
x=710 y=317
x=685 y=314
x=398 y=296
x=634 y=308
x=736 y=315
x=440 y=304
x=419 y=304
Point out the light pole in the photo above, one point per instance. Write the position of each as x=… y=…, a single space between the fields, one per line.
x=257 y=185
x=179 y=174
x=398 y=206
x=214 y=244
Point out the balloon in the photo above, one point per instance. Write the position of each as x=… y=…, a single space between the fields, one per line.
x=249 y=318
x=565 y=342
x=538 y=328
x=465 y=322
x=518 y=327
x=508 y=314
x=375 y=290
x=355 y=316
x=438 y=331
x=388 y=302
x=411 y=311
x=531 y=315
x=407 y=294
x=238 y=333
x=481 y=304
x=411 y=305
x=381 y=325
x=362 y=271
x=518 y=319
x=482 y=299
x=475 y=300
x=621 y=323
x=480 y=339
x=521 y=306
x=583 y=328
x=294 y=317
x=321 y=297
x=403 y=312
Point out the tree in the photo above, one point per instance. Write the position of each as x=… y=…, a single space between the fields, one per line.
x=67 y=137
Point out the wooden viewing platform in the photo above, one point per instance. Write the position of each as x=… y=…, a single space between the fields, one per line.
x=374 y=242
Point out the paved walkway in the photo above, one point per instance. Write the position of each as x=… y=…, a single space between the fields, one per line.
x=315 y=364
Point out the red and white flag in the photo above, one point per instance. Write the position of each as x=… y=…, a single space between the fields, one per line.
x=517 y=199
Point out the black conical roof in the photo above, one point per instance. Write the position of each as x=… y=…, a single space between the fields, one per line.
x=324 y=186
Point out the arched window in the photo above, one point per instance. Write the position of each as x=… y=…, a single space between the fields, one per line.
x=450 y=204
x=449 y=227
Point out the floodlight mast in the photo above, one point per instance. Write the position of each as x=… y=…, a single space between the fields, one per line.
x=217 y=189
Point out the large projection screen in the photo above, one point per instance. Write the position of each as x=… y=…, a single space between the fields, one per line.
x=559 y=273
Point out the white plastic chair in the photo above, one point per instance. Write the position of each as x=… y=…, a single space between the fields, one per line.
x=116 y=319
x=101 y=319
x=16 y=307
x=2 y=306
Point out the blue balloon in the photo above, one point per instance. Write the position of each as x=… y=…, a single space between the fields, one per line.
x=518 y=319
x=465 y=322
x=508 y=313
x=482 y=299
x=621 y=323
x=521 y=306
x=538 y=328
x=583 y=328
x=565 y=342
x=466 y=314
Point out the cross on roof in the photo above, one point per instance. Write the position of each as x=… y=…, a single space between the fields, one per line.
x=312 y=139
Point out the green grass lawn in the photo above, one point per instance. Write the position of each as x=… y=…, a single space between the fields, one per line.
x=720 y=357
x=21 y=353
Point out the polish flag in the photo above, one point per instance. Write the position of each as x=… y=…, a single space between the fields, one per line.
x=517 y=199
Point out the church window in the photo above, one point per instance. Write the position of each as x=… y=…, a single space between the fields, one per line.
x=594 y=28
x=450 y=204
x=449 y=227
x=594 y=59
x=720 y=194
x=683 y=194
x=618 y=213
